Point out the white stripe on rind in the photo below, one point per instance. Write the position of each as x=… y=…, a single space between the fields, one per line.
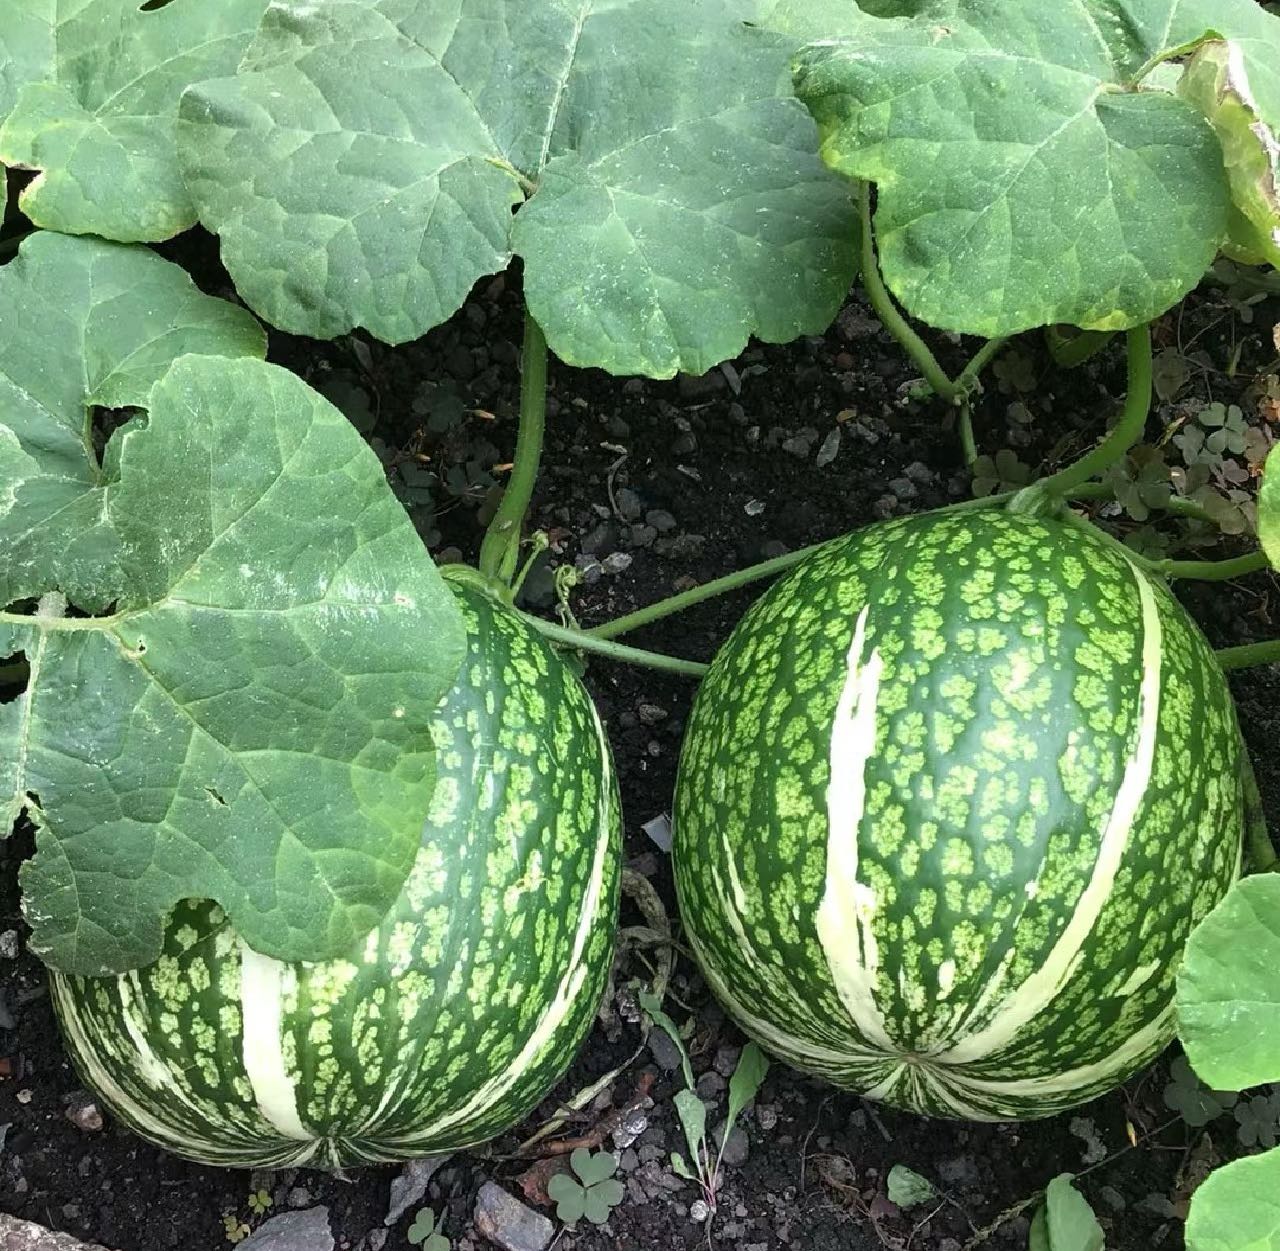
x=575 y=974
x=262 y=989
x=846 y=916
x=1042 y=986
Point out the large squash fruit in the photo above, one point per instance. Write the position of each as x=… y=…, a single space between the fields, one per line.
x=952 y=797
x=454 y=1016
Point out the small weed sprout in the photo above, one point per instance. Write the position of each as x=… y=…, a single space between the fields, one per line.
x=704 y=1163
x=426 y=1231
x=234 y=1230
x=260 y=1202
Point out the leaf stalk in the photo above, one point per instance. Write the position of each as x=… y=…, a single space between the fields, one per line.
x=503 y=534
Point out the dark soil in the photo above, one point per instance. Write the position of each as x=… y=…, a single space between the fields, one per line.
x=679 y=482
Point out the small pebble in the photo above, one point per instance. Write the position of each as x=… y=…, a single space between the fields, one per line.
x=84 y=1113
x=616 y=562
x=698 y=1211
x=661 y=520
x=9 y=944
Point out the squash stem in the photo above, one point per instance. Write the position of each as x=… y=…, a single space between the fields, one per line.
x=744 y=577
x=1212 y=570
x=897 y=325
x=503 y=534
x=1068 y=353
x=967 y=443
x=1249 y=655
x=1262 y=852
x=579 y=640
x=1040 y=496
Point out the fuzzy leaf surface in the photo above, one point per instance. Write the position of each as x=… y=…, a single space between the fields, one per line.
x=1029 y=171
x=363 y=164
x=251 y=722
x=89 y=96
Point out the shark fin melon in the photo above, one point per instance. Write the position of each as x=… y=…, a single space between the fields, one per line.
x=454 y=1017
x=952 y=797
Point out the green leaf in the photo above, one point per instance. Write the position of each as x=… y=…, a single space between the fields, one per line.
x=680 y=1166
x=1008 y=142
x=693 y=1117
x=423 y=1226
x=1236 y=85
x=602 y=1198
x=1228 y=997
x=653 y=1006
x=436 y=1242
x=363 y=164
x=569 y=1197
x=907 y=1188
x=91 y=92
x=748 y=1076
x=1066 y=1220
x=252 y=723
x=82 y=324
x=1269 y=508
x=1237 y=1208
x=592 y=1168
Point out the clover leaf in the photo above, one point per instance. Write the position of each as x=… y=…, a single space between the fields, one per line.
x=1258 y=1118
x=363 y=165
x=908 y=1189
x=594 y=1193
x=251 y=721
x=90 y=93
x=426 y=1231
x=1014 y=141
x=1191 y=1099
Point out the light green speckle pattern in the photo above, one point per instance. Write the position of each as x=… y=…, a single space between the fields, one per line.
x=1006 y=714
x=453 y=1017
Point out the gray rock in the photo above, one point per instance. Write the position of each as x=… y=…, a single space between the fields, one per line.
x=962 y=1170
x=616 y=562
x=16 y=1235
x=726 y=1060
x=629 y=504
x=508 y=1223
x=411 y=1185
x=661 y=520
x=801 y=443
x=293 y=1231
x=299 y=1197
x=736 y=1146
x=663 y=1050
x=84 y=1113
x=9 y=944
x=903 y=488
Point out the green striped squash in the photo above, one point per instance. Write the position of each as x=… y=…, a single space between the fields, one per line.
x=952 y=797
x=455 y=1016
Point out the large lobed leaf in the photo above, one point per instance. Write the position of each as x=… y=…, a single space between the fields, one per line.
x=1269 y=509
x=90 y=91
x=1237 y=1208
x=249 y=721
x=1229 y=988
x=363 y=165
x=85 y=323
x=1027 y=171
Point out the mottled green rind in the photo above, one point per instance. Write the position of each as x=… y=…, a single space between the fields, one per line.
x=388 y=1045
x=1004 y=640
